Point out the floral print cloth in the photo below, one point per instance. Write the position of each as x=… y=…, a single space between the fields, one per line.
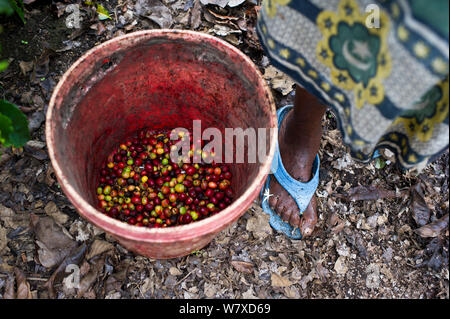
x=382 y=66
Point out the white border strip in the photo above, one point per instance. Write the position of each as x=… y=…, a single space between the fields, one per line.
x=423 y=30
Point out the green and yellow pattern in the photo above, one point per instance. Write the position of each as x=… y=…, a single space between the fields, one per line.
x=357 y=56
x=387 y=84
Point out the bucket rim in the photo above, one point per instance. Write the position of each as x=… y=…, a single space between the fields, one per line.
x=212 y=224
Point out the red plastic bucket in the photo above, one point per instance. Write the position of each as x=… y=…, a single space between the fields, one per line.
x=158 y=79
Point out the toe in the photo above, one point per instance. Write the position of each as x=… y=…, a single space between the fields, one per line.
x=273 y=202
x=309 y=219
x=295 y=219
x=280 y=209
x=306 y=229
x=286 y=214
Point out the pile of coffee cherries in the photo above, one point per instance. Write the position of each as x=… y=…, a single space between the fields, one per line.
x=140 y=184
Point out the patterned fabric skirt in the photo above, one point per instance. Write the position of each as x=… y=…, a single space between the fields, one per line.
x=381 y=66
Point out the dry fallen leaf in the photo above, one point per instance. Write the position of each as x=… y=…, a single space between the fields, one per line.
x=210 y=290
x=98 y=247
x=23 y=287
x=155 y=11
x=369 y=193
x=26 y=67
x=223 y=30
x=222 y=17
x=9 y=293
x=54 y=244
x=146 y=286
x=60 y=8
x=3 y=240
x=12 y=219
x=223 y=3
x=50 y=175
x=340 y=266
x=291 y=292
x=433 y=229
x=99 y=27
x=53 y=211
x=41 y=66
x=421 y=212
x=75 y=257
x=84 y=268
x=88 y=280
x=242 y=266
x=280 y=281
x=259 y=225
x=196 y=15
x=175 y=271
x=249 y=294
x=355 y=239
x=335 y=223
x=280 y=81
x=322 y=271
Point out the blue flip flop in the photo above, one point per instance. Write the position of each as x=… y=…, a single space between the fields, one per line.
x=300 y=192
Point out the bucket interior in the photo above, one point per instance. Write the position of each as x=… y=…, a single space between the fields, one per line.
x=159 y=83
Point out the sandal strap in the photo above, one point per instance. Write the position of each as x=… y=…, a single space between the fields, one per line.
x=300 y=192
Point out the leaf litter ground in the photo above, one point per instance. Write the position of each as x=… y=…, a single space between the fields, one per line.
x=382 y=232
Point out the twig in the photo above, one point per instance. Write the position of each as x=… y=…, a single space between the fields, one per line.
x=29 y=278
x=185 y=277
x=37 y=279
x=115 y=10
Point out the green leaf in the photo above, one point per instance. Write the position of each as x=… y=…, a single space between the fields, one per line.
x=5 y=128
x=5 y=7
x=3 y=65
x=379 y=163
x=19 y=134
x=17 y=9
x=102 y=12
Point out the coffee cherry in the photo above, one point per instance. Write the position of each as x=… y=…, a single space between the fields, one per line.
x=224 y=184
x=187 y=219
x=187 y=183
x=165 y=190
x=209 y=192
x=107 y=190
x=229 y=193
x=204 y=211
x=219 y=195
x=173 y=198
x=190 y=170
x=194 y=215
x=141 y=185
x=179 y=188
x=182 y=197
x=212 y=185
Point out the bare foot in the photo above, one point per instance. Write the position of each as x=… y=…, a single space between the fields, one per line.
x=298 y=145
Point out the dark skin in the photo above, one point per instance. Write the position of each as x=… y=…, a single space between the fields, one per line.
x=299 y=142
